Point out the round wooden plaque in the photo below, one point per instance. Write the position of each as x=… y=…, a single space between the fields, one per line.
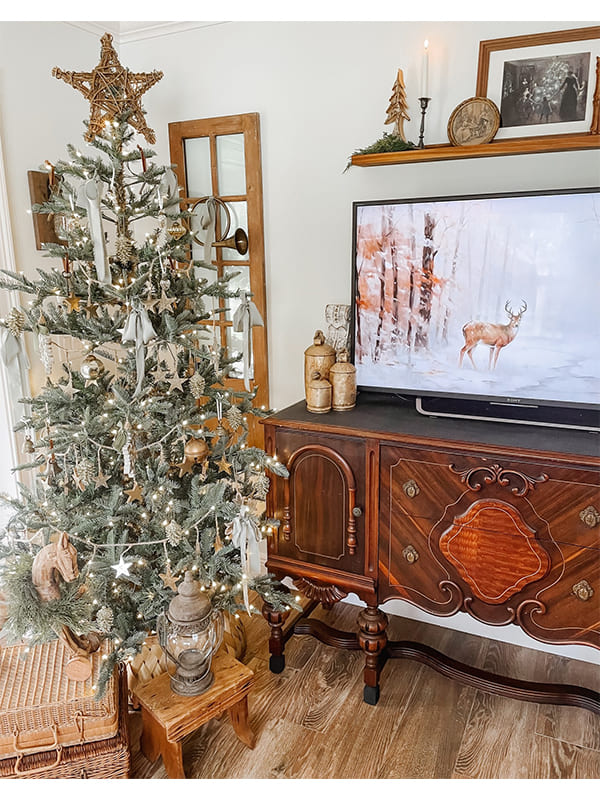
x=474 y=121
x=78 y=668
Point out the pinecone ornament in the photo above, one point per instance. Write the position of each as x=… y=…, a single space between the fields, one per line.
x=86 y=471
x=125 y=250
x=234 y=417
x=105 y=619
x=197 y=385
x=174 y=533
x=16 y=322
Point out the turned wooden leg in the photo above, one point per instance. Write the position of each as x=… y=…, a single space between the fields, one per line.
x=154 y=743
x=276 y=643
x=372 y=638
x=241 y=724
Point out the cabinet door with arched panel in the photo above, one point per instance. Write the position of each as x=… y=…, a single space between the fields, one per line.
x=320 y=506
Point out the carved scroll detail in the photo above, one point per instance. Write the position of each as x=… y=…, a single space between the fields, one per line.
x=327 y=595
x=497 y=474
x=456 y=595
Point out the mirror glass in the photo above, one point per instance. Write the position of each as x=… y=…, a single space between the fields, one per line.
x=197 y=166
x=231 y=164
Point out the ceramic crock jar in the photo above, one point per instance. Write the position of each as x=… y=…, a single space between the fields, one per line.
x=318 y=395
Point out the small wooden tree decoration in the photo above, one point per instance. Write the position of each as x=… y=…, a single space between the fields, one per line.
x=396 y=111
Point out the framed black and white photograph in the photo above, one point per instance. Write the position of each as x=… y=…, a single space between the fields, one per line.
x=543 y=84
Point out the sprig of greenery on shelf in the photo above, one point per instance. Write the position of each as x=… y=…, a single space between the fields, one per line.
x=388 y=143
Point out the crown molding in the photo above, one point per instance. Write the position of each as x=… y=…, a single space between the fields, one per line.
x=99 y=28
x=127 y=32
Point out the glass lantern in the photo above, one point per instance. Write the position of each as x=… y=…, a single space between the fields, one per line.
x=190 y=631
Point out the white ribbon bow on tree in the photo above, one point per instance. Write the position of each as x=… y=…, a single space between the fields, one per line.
x=244 y=534
x=208 y=223
x=89 y=196
x=246 y=317
x=138 y=329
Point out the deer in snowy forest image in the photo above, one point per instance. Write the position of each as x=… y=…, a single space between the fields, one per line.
x=495 y=336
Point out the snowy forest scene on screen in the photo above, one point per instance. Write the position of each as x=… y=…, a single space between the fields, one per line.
x=482 y=296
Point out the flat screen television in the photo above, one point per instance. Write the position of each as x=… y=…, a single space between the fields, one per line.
x=482 y=305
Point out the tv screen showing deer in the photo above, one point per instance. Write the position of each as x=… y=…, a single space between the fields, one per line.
x=490 y=297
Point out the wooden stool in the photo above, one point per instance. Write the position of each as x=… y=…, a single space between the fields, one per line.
x=167 y=718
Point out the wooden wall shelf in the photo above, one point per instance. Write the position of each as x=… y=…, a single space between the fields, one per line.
x=503 y=147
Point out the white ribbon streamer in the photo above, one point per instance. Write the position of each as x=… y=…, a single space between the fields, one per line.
x=12 y=349
x=138 y=329
x=89 y=196
x=246 y=317
x=244 y=534
x=167 y=189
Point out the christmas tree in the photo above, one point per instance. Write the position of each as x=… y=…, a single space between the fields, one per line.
x=142 y=471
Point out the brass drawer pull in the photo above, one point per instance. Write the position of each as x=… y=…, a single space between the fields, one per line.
x=411 y=489
x=410 y=554
x=589 y=516
x=583 y=590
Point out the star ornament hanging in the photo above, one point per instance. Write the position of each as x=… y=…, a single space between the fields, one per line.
x=112 y=90
x=122 y=568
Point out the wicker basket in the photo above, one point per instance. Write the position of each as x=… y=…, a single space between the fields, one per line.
x=41 y=708
x=151 y=660
x=109 y=758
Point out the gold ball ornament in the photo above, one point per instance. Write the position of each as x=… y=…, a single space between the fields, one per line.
x=195 y=450
x=91 y=368
x=176 y=229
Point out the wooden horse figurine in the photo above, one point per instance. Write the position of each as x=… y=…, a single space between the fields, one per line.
x=57 y=558
x=60 y=558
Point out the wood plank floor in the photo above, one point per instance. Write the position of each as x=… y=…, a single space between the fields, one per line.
x=311 y=721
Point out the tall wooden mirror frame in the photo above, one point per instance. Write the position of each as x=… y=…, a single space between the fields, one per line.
x=211 y=128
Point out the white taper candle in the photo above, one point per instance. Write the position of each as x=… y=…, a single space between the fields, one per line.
x=425 y=70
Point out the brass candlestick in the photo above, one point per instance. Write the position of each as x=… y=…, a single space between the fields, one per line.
x=424 y=101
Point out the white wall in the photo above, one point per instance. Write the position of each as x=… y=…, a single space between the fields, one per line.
x=39 y=116
x=321 y=90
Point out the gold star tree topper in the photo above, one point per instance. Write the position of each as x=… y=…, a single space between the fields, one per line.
x=112 y=89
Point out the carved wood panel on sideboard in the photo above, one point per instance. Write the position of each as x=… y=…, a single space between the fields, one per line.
x=449 y=515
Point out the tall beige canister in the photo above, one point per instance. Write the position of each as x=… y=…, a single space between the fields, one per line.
x=342 y=377
x=319 y=357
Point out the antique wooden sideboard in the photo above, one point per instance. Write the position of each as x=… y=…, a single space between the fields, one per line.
x=499 y=521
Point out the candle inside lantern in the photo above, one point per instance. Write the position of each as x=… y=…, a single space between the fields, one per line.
x=425 y=69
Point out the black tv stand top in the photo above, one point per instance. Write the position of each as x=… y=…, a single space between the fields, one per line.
x=379 y=414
